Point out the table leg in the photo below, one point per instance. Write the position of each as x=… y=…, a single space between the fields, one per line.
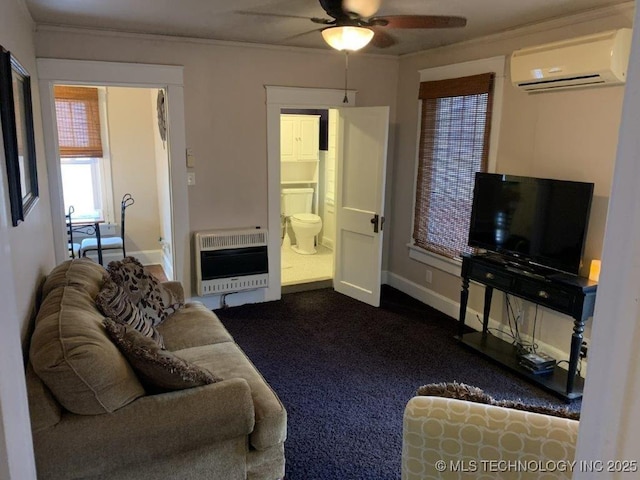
x=488 y=293
x=464 y=297
x=99 y=241
x=576 y=343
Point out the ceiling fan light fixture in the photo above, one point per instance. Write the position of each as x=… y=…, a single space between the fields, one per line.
x=347 y=37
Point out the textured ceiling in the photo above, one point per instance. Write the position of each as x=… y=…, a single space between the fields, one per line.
x=238 y=20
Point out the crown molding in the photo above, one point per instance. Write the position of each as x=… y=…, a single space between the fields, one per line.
x=539 y=27
x=57 y=28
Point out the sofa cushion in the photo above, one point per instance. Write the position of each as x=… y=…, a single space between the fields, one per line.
x=72 y=354
x=83 y=273
x=114 y=303
x=155 y=301
x=158 y=369
x=192 y=326
x=226 y=360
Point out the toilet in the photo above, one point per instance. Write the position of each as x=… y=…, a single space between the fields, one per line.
x=296 y=207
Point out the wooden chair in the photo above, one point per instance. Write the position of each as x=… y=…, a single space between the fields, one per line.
x=110 y=243
x=74 y=248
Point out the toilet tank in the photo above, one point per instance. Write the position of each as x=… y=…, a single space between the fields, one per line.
x=296 y=200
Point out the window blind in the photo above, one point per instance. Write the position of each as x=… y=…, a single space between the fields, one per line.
x=78 y=119
x=454 y=144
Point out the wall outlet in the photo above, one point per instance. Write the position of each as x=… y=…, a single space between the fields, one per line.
x=584 y=349
x=429 y=276
x=191 y=178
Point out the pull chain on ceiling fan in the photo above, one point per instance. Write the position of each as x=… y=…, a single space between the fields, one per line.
x=346 y=76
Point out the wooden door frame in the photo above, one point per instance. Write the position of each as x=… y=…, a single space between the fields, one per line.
x=54 y=71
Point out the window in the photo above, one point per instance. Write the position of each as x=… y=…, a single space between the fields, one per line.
x=454 y=144
x=84 y=166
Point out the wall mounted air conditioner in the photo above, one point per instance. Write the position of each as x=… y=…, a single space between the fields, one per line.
x=593 y=60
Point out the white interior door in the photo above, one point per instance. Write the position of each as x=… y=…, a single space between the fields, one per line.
x=362 y=159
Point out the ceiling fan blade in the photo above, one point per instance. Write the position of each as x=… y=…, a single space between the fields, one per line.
x=279 y=15
x=323 y=21
x=382 y=39
x=292 y=37
x=419 y=21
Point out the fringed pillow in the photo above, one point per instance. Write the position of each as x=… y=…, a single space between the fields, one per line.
x=158 y=370
x=461 y=391
x=155 y=301
x=114 y=303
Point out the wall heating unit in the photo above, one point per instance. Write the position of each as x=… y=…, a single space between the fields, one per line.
x=231 y=261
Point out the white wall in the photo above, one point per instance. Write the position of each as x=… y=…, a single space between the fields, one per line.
x=133 y=165
x=26 y=254
x=329 y=218
x=610 y=425
x=163 y=182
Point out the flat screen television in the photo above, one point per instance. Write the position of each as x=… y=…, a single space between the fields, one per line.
x=535 y=222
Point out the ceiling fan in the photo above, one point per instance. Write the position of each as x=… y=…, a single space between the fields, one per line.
x=353 y=23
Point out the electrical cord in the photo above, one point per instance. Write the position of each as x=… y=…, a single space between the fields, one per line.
x=522 y=346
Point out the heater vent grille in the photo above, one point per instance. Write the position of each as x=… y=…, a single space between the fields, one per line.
x=231 y=261
x=216 y=240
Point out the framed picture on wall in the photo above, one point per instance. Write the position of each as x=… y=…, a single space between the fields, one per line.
x=16 y=115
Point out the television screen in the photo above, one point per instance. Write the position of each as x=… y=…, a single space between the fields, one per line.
x=537 y=221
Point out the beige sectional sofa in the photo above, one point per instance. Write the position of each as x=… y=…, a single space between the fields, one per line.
x=93 y=419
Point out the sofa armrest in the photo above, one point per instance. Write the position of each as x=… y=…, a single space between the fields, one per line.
x=443 y=437
x=151 y=427
x=175 y=288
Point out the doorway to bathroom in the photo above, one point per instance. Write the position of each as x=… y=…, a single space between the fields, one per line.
x=307 y=197
x=360 y=174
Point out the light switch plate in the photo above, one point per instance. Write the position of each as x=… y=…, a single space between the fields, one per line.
x=191 y=159
x=191 y=178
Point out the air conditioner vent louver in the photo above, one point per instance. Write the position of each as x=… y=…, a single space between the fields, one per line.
x=593 y=60
x=231 y=261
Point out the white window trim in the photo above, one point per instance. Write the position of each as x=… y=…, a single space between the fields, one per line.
x=105 y=164
x=474 y=67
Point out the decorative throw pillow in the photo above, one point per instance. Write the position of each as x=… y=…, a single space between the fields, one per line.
x=114 y=303
x=157 y=369
x=461 y=391
x=155 y=301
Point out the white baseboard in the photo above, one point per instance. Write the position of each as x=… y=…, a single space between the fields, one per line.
x=452 y=308
x=327 y=242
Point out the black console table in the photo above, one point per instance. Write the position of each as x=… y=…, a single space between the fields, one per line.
x=564 y=293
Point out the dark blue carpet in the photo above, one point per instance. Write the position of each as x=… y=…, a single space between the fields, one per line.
x=345 y=371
